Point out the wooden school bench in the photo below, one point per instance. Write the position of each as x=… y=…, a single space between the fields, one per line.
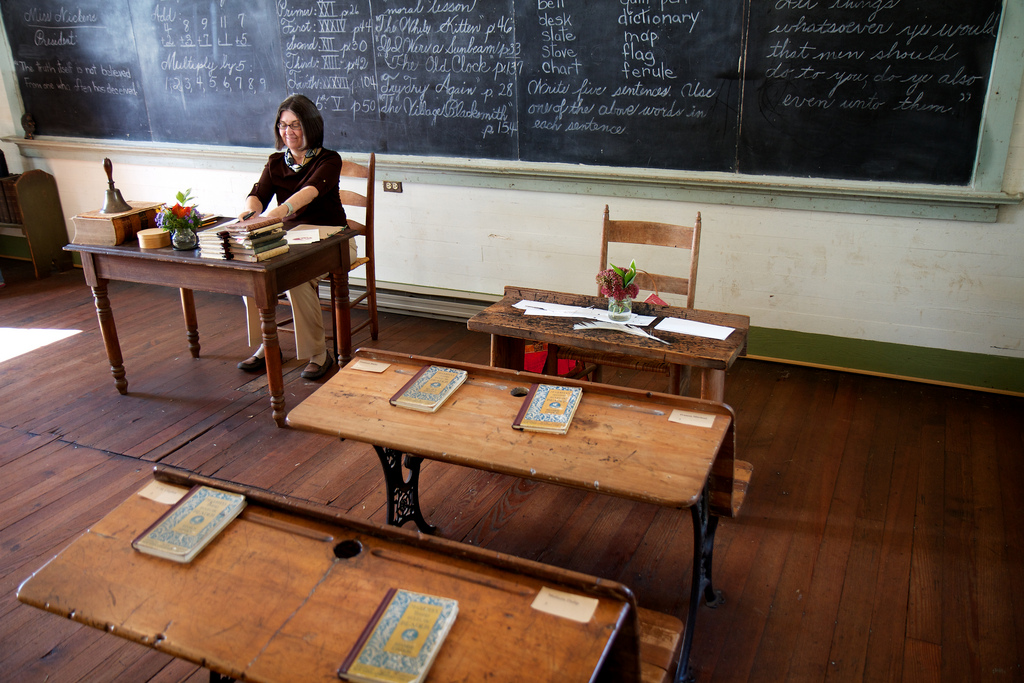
x=284 y=591
x=621 y=442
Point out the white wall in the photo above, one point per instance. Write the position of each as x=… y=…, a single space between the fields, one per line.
x=933 y=283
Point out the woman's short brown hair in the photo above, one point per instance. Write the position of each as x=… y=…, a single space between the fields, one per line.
x=309 y=117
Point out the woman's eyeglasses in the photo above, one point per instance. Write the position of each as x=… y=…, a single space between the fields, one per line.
x=294 y=125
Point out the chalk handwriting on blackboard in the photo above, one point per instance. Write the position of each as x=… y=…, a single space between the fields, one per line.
x=889 y=87
x=858 y=89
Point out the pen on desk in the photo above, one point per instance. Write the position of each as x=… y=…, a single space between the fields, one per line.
x=248 y=215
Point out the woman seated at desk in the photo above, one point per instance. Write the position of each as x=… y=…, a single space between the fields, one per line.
x=304 y=180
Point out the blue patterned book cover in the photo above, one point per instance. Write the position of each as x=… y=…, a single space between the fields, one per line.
x=401 y=640
x=190 y=524
x=548 y=408
x=429 y=388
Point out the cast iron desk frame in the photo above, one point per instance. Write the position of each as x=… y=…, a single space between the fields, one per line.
x=283 y=592
x=473 y=429
x=510 y=329
x=187 y=271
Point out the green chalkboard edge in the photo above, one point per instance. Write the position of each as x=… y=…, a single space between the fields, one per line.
x=998 y=374
x=1001 y=101
x=904 y=200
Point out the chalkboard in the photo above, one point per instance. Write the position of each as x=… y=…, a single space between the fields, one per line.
x=78 y=68
x=888 y=90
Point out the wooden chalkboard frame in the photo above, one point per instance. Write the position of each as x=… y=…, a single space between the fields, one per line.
x=977 y=202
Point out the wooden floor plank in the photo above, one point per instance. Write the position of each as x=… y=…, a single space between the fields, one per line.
x=850 y=642
x=922 y=661
x=884 y=657
x=924 y=605
x=997 y=644
x=1010 y=458
x=770 y=450
x=854 y=424
x=960 y=655
x=804 y=514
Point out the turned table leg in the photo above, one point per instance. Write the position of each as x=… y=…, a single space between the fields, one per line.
x=272 y=352
x=342 y=315
x=188 y=307
x=109 y=332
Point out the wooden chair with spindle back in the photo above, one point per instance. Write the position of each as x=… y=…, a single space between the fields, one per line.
x=368 y=299
x=360 y=199
x=684 y=237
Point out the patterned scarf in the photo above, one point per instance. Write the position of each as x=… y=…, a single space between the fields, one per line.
x=294 y=165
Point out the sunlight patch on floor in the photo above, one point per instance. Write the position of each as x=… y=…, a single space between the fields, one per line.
x=15 y=341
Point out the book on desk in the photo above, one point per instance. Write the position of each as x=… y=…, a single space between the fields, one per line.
x=429 y=388
x=401 y=640
x=190 y=524
x=548 y=408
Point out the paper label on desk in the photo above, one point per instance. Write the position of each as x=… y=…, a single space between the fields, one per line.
x=566 y=605
x=370 y=365
x=688 y=417
x=169 y=494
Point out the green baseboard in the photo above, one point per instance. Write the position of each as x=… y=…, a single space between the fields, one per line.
x=957 y=368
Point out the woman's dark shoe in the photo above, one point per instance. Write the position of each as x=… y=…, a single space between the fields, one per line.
x=255 y=363
x=314 y=371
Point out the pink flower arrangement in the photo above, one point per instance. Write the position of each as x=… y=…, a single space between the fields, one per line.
x=617 y=283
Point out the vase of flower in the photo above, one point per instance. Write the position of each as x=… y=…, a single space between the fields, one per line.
x=617 y=284
x=183 y=239
x=181 y=220
x=620 y=310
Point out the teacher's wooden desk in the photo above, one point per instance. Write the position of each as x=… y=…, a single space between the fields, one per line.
x=283 y=592
x=186 y=270
x=510 y=329
x=621 y=442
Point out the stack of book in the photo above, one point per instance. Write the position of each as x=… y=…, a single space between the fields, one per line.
x=255 y=239
x=213 y=243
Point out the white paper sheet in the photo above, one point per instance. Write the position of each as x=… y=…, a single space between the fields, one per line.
x=549 y=309
x=694 y=328
x=564 y=311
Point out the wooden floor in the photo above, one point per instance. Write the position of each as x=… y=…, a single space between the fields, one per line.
x=880 y=540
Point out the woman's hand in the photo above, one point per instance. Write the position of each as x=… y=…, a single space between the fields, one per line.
x=252 y=208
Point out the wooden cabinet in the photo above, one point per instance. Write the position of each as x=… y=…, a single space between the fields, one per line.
x=31 y=205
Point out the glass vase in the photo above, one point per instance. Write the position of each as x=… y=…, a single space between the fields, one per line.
x=620 y=310
x=183 y=239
